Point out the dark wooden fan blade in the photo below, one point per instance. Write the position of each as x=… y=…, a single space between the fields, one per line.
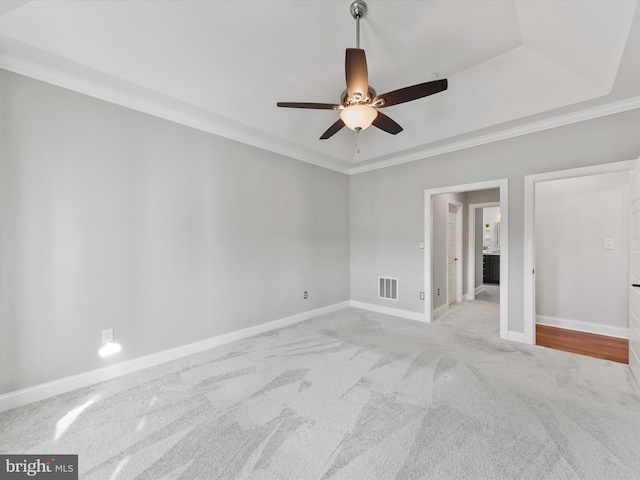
x=312 y=106
x=355 y=67
x=387 y=124
x=332 y=129
x=411 y=93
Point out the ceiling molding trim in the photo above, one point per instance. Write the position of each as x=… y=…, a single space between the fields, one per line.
x=555 y=122
x=101 y=92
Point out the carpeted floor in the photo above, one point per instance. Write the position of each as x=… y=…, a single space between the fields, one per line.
x=489 y=293
x=351 y=395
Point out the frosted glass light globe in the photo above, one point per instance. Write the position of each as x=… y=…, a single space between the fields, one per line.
x=358 y=116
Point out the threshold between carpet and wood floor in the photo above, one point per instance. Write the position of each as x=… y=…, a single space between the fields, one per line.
x=582 y=343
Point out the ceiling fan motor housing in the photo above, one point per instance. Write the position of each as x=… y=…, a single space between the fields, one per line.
x=371 y=94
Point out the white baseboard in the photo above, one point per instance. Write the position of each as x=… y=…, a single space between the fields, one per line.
x=395 y=312
x=479 y=289
x=587 y=327
x=516 y=337
x=74 y=382
x=441 y=310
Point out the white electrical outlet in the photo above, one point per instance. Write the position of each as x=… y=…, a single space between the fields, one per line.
x=107 y=335
x=609 y=244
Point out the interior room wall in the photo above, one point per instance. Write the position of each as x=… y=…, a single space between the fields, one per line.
x=387 y=205
x=484 y=196
x=110 y=218
x=579 y=283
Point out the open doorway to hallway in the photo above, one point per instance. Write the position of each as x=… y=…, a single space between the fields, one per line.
x=439 y=217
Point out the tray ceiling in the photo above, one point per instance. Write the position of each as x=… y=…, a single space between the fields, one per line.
x=222 y=65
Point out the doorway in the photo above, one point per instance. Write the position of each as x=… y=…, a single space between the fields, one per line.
x=484 y=249
x=502 y=185
x=490 y=225
x=530 y=313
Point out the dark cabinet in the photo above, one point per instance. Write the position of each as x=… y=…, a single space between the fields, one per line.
x=491 y=269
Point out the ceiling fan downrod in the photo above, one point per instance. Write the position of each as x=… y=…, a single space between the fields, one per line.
x=358 y=9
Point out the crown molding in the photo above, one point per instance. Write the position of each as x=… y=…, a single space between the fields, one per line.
x=559 y=121
x=248 y=135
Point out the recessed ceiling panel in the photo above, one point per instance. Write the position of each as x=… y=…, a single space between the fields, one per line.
x=445 y=37
x=587 y=37
x=510 y=86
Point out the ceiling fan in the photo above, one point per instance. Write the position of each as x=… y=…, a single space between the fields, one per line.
x=359 y=103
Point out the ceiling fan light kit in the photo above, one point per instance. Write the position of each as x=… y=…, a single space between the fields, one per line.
x=359 y=103
x=358 y=117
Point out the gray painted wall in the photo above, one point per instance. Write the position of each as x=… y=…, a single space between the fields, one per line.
x=111 y=218
x=576 y=278
x=484 y=196
x=387 y=206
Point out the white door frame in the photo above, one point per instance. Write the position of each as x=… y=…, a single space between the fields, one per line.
x=459 y=250
x=471 y=247
x=634 y=275
x=529 y=232
x=503 y=185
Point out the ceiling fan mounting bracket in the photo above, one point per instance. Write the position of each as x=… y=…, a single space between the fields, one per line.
x=358 y=9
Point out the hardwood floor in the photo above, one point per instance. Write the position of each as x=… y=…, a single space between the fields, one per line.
x=599 y=346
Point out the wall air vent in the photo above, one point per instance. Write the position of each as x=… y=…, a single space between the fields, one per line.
x=388 y=288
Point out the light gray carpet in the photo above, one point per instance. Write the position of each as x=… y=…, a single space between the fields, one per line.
x=490 y=293
x=351 y=395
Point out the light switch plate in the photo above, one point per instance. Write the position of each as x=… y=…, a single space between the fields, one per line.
x=608 y=244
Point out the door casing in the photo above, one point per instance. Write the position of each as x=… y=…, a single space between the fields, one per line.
x=634 y=272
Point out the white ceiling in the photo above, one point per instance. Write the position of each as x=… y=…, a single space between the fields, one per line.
x=513 y=66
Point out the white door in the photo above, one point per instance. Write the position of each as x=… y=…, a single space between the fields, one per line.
x=451 y=255
x=634 y=273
